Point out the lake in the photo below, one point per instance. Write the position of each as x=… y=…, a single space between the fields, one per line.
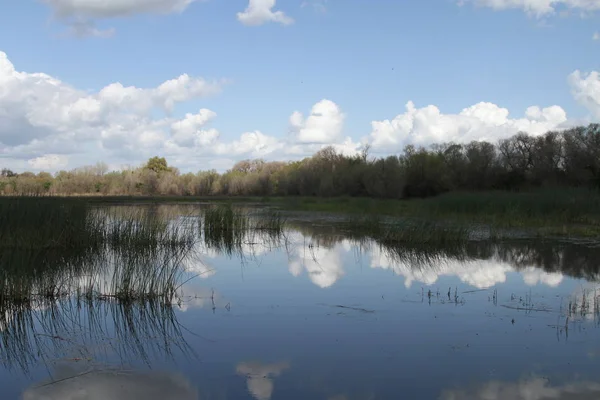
x=313 y=312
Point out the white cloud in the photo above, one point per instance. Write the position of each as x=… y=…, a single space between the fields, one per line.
x=46 y=104
x=253 y=143
x=188 y=132
x=49 y=162
x=323 y=125
x=538 y=8
x=95 y=9
x=317 y=5
x=80 y=15
x=259 y=12
x=482 y=121
x=83 y=29
x=586 y=90
x=41 y=116
x=596 y=36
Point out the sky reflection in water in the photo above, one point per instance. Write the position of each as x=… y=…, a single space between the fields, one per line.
x=324 y=317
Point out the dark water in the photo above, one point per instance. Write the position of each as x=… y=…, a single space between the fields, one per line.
x=322 y=316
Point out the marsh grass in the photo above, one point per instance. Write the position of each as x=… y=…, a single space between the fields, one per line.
x=230 y=230
x=406 y=231
x=43 y=222
x=129 y=256
x=136 y=278
x=271 y=220
x=224 y=228
x=60 y=258
x=583 y=304
x=539 y=207
x=548 y=212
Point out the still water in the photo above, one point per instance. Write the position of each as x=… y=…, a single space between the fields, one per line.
x=324 y=315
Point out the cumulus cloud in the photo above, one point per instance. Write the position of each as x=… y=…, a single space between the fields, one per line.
x=323 y=125
x=255 y=144
x=41 y=115
x=47 y=105
x=586 y=90
x=49 y=162
x=80 y=15
x=114 y=8
x=538 y=8
x=482 y=121
x=529 y=389
x=188 y=131
x=259 y=12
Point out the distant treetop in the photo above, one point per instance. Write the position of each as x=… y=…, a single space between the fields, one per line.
x=157 y=164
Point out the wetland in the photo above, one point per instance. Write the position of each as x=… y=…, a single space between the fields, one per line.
x=217 y=301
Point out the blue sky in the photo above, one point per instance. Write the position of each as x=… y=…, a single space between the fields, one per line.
x=343 y=64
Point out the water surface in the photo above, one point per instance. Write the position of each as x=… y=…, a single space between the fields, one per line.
x=320 y=314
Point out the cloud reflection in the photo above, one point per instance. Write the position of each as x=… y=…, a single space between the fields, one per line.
x=530 y=389
x=113 y=385
x=323 y=265
x=259 y=377
x=198 y=297
x=481 y=274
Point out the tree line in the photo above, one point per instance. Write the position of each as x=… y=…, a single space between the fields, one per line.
x=558 y=158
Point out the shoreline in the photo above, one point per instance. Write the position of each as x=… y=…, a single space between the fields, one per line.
x=543 y=213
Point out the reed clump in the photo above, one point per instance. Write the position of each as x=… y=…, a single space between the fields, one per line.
x=229 y=229
x=394 y=231
x=49 y=246
x=43 y=222
x=271 y=220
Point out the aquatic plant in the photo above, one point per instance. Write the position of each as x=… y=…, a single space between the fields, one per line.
x=229 y=229
x=402 y=231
